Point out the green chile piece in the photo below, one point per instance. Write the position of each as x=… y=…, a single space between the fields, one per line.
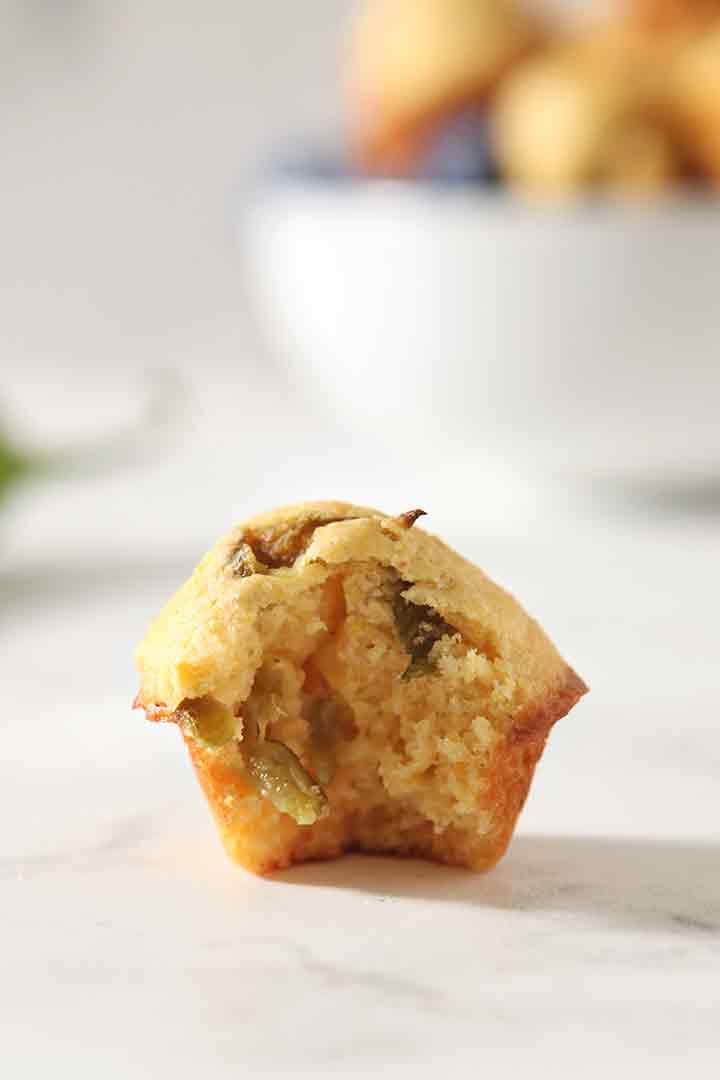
x=276 y=547
x=208 y=722
x=323 y=720
x=14 y=465
x=281 y=778
x=419 y=627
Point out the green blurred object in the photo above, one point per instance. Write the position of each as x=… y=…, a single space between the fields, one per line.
x=157 y=421
x=15 y=466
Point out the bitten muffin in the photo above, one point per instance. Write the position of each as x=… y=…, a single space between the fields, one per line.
x=345 y=681
x=411 y=61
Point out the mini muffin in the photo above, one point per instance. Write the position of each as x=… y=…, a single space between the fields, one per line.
x=589 y=113
x=345 y=681
x=695 y=91
x=551 y=124
x=413 y=61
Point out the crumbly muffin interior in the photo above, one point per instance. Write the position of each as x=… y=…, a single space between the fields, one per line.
x=379 y=719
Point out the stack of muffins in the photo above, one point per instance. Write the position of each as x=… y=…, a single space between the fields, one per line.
x=627 y=103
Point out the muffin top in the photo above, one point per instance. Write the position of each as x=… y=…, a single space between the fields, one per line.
x=207 y=640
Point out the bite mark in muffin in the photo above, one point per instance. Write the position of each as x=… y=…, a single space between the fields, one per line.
x=345 y=681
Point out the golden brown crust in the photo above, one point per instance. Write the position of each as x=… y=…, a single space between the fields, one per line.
x=177 y=661
x=539 y=718
x=508 y=786
x=515 y=766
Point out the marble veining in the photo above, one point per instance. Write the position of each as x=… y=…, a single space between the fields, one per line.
x=117 y=843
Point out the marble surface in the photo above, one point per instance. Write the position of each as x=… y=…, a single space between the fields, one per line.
x=132 y=948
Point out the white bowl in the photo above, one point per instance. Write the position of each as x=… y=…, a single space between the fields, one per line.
x=581 y=338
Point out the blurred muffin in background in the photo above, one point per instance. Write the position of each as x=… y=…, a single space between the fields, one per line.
x=590 y=112
x=671 y=16
x=639 y=159
x=551 y=124
x=414 y=60
x=481 y=91
x=623 y=55
x=695 y=101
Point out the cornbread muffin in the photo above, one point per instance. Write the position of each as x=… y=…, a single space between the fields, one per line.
x=589 y=114
x=412 y=61
x=343 y=680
